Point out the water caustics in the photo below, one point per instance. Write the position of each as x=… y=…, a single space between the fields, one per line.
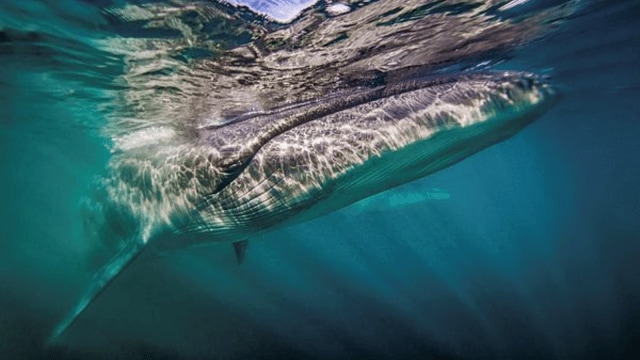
x=218 y=140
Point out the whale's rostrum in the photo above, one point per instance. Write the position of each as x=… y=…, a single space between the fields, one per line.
x=264 y=170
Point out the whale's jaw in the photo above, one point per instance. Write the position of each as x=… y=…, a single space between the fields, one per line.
x=346 y=151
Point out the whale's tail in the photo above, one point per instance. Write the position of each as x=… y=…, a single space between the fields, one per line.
x=100 y=281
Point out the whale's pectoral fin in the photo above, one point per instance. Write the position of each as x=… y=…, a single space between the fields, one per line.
x=101 y=279
x=240 y=248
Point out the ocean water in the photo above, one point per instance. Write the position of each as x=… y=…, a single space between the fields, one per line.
x=529 y=249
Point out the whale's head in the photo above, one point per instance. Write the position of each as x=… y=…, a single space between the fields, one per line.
x=307 y=160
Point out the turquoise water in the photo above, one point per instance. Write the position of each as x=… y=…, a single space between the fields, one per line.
x=532 y=254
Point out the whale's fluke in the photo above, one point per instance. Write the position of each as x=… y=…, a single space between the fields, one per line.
x=100 y=281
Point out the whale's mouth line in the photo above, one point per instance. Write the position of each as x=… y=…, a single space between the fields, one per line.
x=398 y=86
x=394 y=86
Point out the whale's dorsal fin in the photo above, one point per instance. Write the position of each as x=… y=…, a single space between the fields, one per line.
x=101 y=279
x=240 y=248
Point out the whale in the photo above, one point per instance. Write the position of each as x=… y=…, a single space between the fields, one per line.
x=168 y=189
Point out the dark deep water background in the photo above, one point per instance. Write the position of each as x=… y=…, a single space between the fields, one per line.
x=536 y=254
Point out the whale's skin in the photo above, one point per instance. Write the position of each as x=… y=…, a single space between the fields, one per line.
x=265 y=170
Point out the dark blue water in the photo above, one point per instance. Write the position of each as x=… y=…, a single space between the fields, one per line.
x=534 y=254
